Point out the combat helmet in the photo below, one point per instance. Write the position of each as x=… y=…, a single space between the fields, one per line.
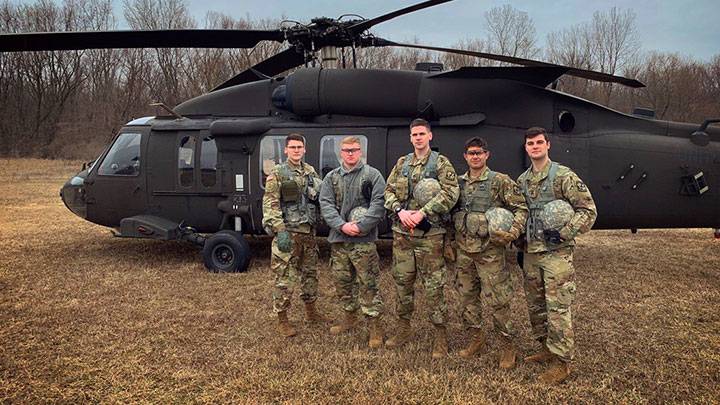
x=425 y=190
x=556 y=214
x=499 y=219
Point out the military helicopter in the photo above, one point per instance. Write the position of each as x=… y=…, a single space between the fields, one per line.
x=197 y=174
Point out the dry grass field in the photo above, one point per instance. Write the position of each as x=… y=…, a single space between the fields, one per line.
x=85 y=317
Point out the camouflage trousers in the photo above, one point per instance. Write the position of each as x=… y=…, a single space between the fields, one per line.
x=483 y=276
x=550 y=291
x=301 y=262
x=423 y=257
x=356 y=267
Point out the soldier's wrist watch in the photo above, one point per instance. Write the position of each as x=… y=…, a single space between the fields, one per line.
x=398 y=209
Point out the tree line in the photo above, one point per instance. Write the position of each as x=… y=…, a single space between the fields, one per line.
x=69 y=104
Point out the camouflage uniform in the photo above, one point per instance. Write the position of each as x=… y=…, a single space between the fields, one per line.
x=548 y=269
x=354 y=259
x=417 y=252
x=480 y=264
x=299 y=220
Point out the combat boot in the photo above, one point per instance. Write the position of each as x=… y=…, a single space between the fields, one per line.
x=440 y=344
x=284 y=327
x=376 y=333
x=540 y=357
x=508 y=354
x=402 y=334
x=312 y=315
x=344 y=325
x=476 y=344
x=557 y=372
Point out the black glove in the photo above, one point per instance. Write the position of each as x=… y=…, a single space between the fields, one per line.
x=424 y=225
x=552 y=237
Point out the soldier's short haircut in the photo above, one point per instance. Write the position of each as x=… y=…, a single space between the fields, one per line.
x=477 y=142
x=419 y=122
x=349 y=140
x=294 y=137
x=535 y=131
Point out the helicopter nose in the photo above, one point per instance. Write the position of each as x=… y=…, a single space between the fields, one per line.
x=73 y=195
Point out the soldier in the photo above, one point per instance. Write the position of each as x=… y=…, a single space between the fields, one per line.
x=351 y=202
x=420 y=191
x=490 y=213
x=289 y=213
x=549 y=276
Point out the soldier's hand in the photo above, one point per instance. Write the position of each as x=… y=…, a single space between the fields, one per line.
x=501 y=238
x=350 y=229
x=284 y=241
x=406 y=219
x=552 y=236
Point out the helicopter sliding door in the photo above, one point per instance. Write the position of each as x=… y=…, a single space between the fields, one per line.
x=184 y=178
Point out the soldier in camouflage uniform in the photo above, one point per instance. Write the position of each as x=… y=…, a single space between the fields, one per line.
x=418 y=233
x=289 y=213
x=548 y=261
x=354 y=258
x=480 y=263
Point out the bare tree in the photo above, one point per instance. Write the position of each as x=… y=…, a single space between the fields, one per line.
x=511 y=32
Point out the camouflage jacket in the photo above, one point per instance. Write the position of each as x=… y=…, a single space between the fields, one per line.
x=504 y=192
x=399 y=193
x=273 y=218
x=350 y=185
x=569 y=187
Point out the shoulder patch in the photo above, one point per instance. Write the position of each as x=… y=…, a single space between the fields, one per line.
x=450 y=175
x=581 y=186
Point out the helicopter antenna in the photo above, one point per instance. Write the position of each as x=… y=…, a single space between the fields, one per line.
x=168 y=109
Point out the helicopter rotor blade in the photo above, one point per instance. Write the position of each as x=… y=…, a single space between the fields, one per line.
x=585 y=74
x=278 y=63
x=180 y=38
x=367 y=24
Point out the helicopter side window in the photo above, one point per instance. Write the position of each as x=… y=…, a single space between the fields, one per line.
x=330 y=151
x=208 y=162
x=123 y=159
x=272 y=152
x=186 y=162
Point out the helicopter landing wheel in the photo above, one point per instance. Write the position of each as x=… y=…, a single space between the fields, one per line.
x=226 y=252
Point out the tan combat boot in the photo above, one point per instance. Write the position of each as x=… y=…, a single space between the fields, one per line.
x=508 y=354
x=540 y=357
x=557 y=372
x=476 y=344
x=402 y=334
x=312 y=315
x=344 y=325
x=284 y=327
x=376 y=333
x=440 y=344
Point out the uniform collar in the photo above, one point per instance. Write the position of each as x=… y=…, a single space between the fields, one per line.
x=300 y=167
x=483 y=175
x=357 y=167
x=415 y=161
x=543 y=173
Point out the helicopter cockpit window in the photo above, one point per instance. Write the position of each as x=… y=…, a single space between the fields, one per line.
x=186 y=162
x=330 y=151
x=208 y=162
x=123 y=159
x=272 y=152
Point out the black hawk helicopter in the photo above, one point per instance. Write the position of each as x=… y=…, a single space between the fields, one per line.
x=201 y=169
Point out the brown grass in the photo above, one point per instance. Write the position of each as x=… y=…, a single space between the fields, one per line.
x=85 y=317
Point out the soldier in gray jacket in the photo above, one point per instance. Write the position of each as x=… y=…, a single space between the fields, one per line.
x=352 y=204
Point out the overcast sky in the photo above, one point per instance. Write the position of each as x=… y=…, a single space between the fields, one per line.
x=686 y=27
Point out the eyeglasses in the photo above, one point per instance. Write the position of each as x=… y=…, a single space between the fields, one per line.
x=350 y=151
x=298 y=147
x=476 y=152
